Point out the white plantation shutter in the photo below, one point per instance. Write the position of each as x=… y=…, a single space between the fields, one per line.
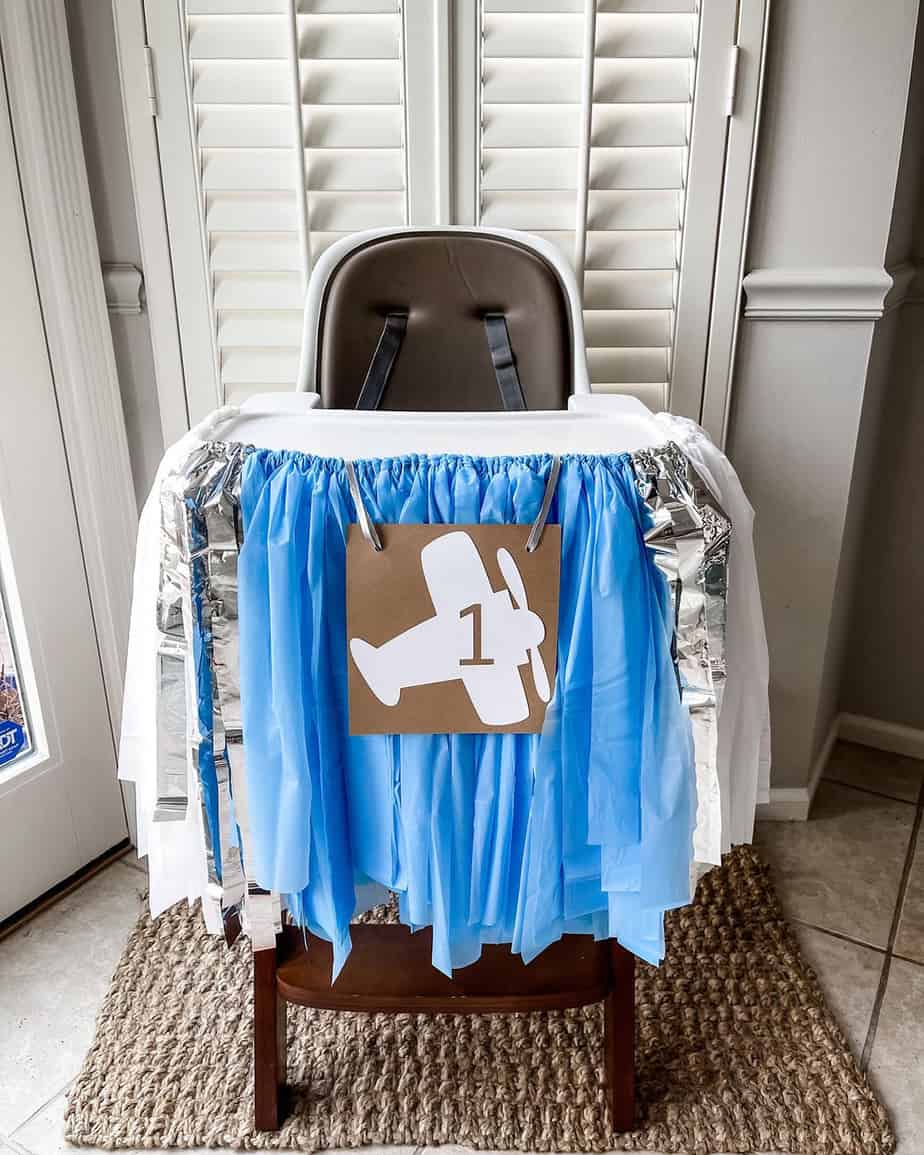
x=610 y=154
x=244 y=127
x=352 y=129
x=614 y=202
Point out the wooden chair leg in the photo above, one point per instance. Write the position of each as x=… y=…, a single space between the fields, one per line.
x=619 y=1039
x=269 y=1042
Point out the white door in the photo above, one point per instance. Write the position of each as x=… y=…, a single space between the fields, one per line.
x=60 y=804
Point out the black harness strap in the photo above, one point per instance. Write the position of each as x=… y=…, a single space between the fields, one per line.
x=389 y=346
x=505 y=365
x=383 y=361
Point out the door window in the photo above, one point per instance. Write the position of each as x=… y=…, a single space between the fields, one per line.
x=14 y=726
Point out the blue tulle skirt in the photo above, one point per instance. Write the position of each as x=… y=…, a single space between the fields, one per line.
x=517 y=838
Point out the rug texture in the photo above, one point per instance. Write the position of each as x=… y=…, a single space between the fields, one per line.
x=736 y=1052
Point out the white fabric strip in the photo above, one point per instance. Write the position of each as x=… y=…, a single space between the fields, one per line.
x=743 y=752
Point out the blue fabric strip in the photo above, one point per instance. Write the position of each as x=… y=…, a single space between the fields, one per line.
x=586 y=827
x=202 y=666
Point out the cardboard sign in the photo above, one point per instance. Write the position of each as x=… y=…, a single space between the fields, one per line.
x=451 y=629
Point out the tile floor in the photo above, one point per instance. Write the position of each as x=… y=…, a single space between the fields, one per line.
x=851 y=879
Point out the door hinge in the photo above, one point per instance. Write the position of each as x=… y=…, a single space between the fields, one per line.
x=150 y=78
x=731 y=96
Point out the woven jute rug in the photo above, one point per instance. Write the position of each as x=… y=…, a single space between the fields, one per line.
x=736 y=1052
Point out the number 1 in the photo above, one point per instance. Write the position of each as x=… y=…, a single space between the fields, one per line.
x=476 y=659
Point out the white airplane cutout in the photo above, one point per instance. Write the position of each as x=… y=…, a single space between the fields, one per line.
x=478 y=634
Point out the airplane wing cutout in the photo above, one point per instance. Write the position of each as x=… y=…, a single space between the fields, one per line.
x=454 y=572
x=497 y=694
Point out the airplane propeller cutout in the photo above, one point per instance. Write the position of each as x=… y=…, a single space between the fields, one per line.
x=514 y=580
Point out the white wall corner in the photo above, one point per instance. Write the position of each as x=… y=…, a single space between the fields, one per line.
x=907 y=285
x=793 y=803
x=123 y=284
x=809 y=294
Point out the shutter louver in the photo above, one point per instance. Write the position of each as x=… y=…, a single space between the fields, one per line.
x=531 y=157
x=352 y=87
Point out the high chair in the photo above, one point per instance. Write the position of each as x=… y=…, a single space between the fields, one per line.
x=457 y=319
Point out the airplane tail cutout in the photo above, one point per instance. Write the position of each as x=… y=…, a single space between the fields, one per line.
x=377 y=668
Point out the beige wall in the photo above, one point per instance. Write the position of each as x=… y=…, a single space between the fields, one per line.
x=883 y=675
x=834 y=101
x=883 y=670
x=798 y=395
x=835 y=96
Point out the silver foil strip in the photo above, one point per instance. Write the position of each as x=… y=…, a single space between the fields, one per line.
x=222 y=516
x=176 y=728
x=218 y=512
x=173 y=567
x=209 y=505
x=199 y=473
x=173 y=719
x=218 y=504
x=261 y=916
x=172 y=775
x=690 y=538
x=221 y=513
x=184 y=624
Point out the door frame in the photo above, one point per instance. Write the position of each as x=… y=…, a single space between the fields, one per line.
x=60 y=806
x=59 y=214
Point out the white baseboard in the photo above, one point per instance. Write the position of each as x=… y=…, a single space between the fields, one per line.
x=786 y=804
x=793 y=803
x=882 y=735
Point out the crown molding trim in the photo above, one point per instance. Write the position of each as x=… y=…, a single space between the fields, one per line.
x=851 y=293
x=123 y=284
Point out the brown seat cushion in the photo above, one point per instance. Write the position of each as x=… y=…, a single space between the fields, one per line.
x=445 y=282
